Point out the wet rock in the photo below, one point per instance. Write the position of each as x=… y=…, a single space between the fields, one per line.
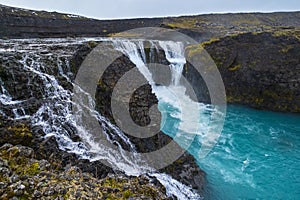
x=139 y=106
x=49 y=192
x=5 y=172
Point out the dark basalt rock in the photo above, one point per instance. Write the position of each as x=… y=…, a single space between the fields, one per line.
x=260 y=70
x=185 y=168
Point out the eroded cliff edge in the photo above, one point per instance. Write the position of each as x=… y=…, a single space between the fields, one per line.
x=260 y=70
x=257 y=55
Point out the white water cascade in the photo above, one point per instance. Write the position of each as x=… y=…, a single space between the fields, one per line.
x=174 y=94
x=55 y=114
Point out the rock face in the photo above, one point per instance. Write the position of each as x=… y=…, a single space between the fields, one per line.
x=20 y=84
x=185 y=168
x=260 y=70
x=205 y=27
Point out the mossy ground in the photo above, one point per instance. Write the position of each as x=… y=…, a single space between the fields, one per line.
x=24 y=177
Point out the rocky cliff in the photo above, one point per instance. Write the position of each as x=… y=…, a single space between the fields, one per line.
x=256 y=54
x=261 y=70
x=36 y=80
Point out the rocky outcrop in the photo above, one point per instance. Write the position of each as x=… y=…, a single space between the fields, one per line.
x=185 y=168
x=22 y=85
x=27 y=89
x=260 y=70
x=24 y=176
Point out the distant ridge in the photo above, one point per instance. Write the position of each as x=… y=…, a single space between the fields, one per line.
x=24 y=23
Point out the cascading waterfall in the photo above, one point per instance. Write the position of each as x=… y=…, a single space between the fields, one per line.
x=174 y=52
x=257 y=155
x=194 y=117
x=55 y=114
x=135 y=50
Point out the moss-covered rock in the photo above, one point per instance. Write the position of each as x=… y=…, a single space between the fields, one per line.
x=260 y=70
x=24 y=177
x=15 y=133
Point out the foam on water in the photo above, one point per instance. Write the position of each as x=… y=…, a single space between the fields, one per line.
x=257 y=156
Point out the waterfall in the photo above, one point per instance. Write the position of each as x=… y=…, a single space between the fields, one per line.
x=135 y=51
x=174 y=94
x=174 y=52
x=44 y=60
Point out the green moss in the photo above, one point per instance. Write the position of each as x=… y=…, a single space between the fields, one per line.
x=272 y=94
x=233 y=99
x=255 y=33
x=124 y=34
x=250 y=20
x=172 y=26
x=25 y=196
x=192 y=50
x=234 y=68
x=185 y=22
x=92 y=44
x=252 y=64
x=3 y=179
x=21 y=130
x=197 y=53
x=127 y=194
x=32 y=170
x=212 y=40
x=286 y=49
